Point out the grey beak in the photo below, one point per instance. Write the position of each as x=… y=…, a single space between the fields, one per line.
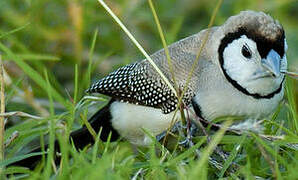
x=272 y=63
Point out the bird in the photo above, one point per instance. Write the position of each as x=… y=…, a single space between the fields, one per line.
x=238 y=74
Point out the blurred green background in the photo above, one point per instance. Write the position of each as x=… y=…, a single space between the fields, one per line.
x=57 y=34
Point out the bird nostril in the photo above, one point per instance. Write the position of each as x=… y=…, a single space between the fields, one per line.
x=269 y=73
x=274 y=75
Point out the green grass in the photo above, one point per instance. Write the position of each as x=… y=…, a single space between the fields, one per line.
x=53 y=50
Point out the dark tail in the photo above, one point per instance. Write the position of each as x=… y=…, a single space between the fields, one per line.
x=80 y=137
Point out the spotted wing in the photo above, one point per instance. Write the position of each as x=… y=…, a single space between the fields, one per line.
x=135 y=84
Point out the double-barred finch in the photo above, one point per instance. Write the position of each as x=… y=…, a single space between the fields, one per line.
x=238 y=74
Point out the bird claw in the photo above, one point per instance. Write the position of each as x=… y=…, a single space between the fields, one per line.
x=160 y=136
x=187 y=132
x=174 y=129
x=187 y=142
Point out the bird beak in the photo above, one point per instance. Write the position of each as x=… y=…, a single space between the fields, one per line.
x=272 y=63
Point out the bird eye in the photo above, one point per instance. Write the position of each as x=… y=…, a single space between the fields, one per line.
x=246 y=52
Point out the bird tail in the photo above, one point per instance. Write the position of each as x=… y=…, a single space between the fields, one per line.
x=101 y=118
x=80 y=137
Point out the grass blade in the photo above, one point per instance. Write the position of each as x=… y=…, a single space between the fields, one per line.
x=201 y=165
x=91 y=57
x=13 y=31
x=292 y=104
x=232 y=156
x=19 y=158
x=269 y=149
x=35 y=76
x=51 y=152
x=95 y=147
x=39 y=57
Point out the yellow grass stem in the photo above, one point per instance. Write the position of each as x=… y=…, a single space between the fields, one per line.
x=163 y=40
x=138 y=45
x=2 y=110
x=194 y=65
x=166 y=49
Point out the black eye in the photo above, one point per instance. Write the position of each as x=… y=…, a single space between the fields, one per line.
x=246 y=52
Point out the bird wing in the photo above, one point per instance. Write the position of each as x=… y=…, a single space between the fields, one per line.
x=139 y=83
x=134 y=84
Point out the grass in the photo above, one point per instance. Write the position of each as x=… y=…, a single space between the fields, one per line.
x=2 y=110
x=52 y=58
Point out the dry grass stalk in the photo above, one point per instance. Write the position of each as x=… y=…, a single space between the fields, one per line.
x=137 y=44
x=2 y=110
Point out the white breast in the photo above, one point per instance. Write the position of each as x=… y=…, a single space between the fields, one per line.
x=129 y=119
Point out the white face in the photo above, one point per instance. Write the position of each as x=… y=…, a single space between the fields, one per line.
x=243 y=63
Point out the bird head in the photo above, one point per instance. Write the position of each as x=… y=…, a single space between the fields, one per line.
x=252 y=53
